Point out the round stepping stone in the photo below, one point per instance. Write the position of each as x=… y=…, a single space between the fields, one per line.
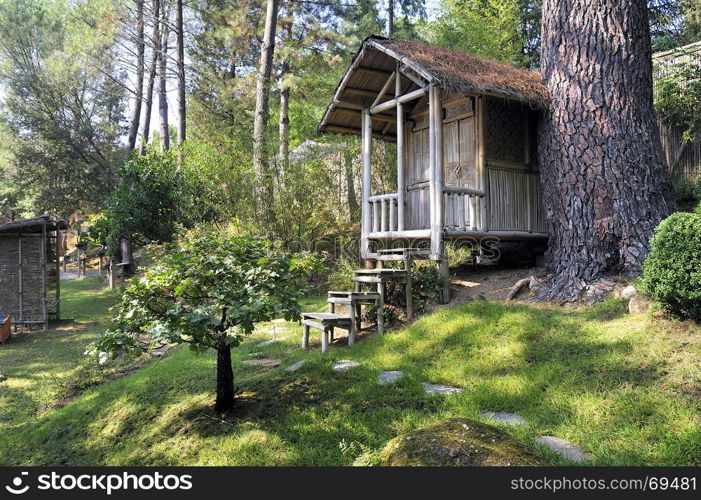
x=564 y=448
x=503 y=417
x=389 y=377
x=440 y=389
x=295 y=367
x=271 y=341
x=267 y=362
x=344 y=365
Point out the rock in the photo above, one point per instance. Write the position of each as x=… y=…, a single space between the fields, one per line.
x=458 y=442
x=295 y=367
x=344 y=365
x=564 y=448
x=271 y=341
x=3 y=377
x=267 y=362
x=638 y=304
x=440 y=389
x=626 y=292
x=503 y=417
x=389 y=377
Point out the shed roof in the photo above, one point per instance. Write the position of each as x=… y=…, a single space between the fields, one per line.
x=33 y=225
x=423 y=64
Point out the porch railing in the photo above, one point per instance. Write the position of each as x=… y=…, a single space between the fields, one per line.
x=462 y=208
x=383 y=208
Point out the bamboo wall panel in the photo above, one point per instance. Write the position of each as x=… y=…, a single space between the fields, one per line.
x=689 y=165
x=509 y=206
x=32 y=270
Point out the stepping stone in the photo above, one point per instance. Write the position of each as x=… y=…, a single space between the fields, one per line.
x=440 y=389
x=271 y=341
x=267 y=362
x=502 y=417
x=295 y=367
x=344 y=365
x=389 y=377
x=564 y=448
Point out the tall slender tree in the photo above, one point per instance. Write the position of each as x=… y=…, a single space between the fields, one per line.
x=139 y=84
x=261 y=164
x=163 y=76
x=605 y=184
x=181 y=73
x=153 y=68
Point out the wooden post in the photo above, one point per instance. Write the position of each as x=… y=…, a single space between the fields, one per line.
x=332 y=310
x=401 y=180
x=365 y=188
x=20 y=278
x=325 y=339
x=112 y=273
x=409 y=290
x=99 y=265
x=305 y=336
x=381 y=308
x=351 y=329
x=44 y=298
x=482 y=161
x=59 y=237
x=435 y=236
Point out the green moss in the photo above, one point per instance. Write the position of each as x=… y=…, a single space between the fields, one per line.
x=458 y=442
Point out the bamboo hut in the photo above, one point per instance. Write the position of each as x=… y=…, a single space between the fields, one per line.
x=30 y=290
x=465 y=134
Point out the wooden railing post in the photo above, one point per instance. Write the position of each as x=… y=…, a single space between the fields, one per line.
x=365 y=184
x=401 y=179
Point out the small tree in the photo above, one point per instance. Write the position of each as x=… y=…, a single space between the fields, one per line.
x=208 y=292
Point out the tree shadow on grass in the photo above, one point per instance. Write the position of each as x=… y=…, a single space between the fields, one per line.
x=563 y=377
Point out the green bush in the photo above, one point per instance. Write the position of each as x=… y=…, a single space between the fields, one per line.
x=686 y=191
x=672 y=269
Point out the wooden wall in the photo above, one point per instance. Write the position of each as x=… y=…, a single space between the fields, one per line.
x=32 y=280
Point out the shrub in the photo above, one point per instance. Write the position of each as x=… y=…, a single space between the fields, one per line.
x=672 y=269
x=686 y=192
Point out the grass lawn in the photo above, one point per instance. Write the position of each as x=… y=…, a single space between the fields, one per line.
x=625 y=388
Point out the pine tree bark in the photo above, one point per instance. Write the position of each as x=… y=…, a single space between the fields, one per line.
x=605 y=184
x=261 y=165
x=139 y=90
x=163 y=78
x=225 y=379
x=148 y=100
x=181 y=74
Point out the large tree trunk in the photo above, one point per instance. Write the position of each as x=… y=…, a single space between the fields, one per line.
x=605 y=185
x=260 y=120
x=181 y=74
x=225 y=379
x=163 y=78
x=155 y=48
x=139 y=91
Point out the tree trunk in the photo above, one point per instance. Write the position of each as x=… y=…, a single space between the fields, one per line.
x=163 y=78
x=260 y=121
x=155 y=48
x=390 y=18
x=127 y=257
x=605 y=184
x=284 y=123
x=181 y=75
x=139 y=91
x=225 y=379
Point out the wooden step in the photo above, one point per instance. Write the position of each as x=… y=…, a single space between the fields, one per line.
x=325 y=319
x=344 y=297
x=401 y=254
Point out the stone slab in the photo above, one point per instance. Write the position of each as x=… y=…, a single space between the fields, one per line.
x=389 y=377
x=440 y=389
x=344 y=365
x=564 y=448
x=502 y=417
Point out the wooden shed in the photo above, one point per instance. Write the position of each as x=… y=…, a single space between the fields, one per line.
x=30 y=290
x=465 y=134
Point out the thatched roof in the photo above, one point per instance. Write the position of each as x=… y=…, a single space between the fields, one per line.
x=421 y=65
x=33 y=225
